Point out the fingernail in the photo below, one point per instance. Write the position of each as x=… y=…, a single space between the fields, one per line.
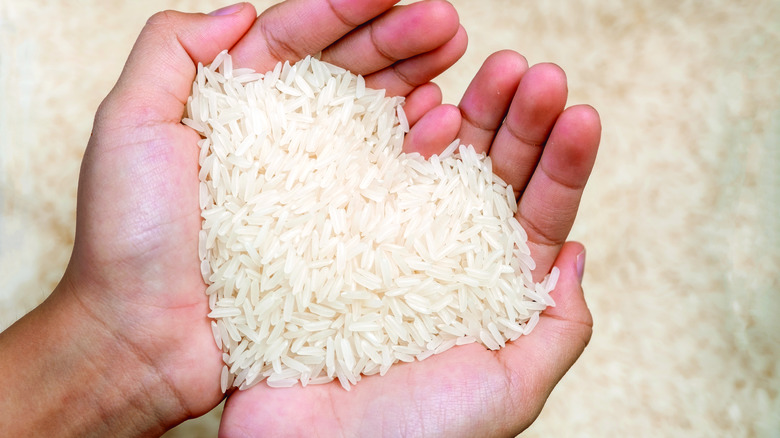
x=581 y=265
x=227 y=10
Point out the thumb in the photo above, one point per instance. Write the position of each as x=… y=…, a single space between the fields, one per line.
x=540 y=360
x=563 y=331
x=157 y=77
x=570 y=300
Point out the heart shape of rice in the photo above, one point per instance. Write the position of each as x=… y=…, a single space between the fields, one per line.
x=327 y=251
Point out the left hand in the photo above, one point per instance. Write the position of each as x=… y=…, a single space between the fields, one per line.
x=134 y=275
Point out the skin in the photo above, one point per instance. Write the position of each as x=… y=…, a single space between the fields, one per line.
x=122 y=347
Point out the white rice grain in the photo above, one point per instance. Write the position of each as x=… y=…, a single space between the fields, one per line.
x=328 y=253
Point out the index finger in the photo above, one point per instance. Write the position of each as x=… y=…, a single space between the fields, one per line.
x=293 y=29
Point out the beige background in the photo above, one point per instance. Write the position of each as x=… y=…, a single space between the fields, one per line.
x=680 y=218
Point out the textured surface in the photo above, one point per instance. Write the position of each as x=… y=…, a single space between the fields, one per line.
x=680 y=217
x=370 y=256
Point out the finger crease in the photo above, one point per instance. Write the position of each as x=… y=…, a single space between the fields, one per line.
x=180 y=43
x=465 y=115
x=585 y=324
x=340 y=16
x=546 y=240
x=556 y=180
x=276 y=45
x=522 y=138
x=379 y=49
x=403 y=77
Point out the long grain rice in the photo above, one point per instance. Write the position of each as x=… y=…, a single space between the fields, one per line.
x=327 y=251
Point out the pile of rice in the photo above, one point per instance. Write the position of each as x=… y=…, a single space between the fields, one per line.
x=327 y=251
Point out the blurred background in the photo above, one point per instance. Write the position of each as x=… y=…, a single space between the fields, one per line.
x=680 y=217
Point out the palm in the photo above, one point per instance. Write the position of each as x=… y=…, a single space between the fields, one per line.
x=440 y=395
x=461 y=392
x=153 y=234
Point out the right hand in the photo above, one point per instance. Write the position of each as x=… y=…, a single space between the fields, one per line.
x=517 y=116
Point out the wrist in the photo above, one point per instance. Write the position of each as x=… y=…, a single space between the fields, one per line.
x=66 y=372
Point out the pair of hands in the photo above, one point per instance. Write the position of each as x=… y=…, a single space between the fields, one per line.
x=133 y=294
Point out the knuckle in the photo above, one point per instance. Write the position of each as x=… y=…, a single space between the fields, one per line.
x=162 y=18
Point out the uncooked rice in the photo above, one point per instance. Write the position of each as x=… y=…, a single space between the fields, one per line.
x=327 y=251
